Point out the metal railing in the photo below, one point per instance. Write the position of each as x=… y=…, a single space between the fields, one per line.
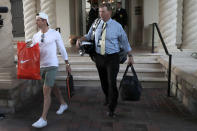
x=154 y=25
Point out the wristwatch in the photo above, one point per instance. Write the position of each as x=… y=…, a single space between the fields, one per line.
x=130 y=55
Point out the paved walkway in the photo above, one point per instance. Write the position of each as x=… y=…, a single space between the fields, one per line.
x=155 y=112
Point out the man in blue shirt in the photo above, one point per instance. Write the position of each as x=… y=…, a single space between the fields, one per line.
x=109 y=37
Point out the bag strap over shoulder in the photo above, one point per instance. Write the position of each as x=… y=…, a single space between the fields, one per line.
x=94 y=26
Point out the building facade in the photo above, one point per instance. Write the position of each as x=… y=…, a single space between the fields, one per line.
x=176 y=20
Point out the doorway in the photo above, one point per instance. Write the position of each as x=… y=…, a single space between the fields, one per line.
x=135 y=22
x=17 y=18
x=91 y=11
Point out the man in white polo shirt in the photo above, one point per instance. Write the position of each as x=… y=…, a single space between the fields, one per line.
x=49 y=40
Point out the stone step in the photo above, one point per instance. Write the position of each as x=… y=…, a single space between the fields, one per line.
x=134 y=54
x=140 y=75
x=136 y=65
x=87 y=57
x=137 y=58
x=90 y=63
x=7 y=73
x=7 y=84
x=84 y=71
x=75 y=59
x=93 y=78
x=88 y=60
x=94 y=82
x=5 y=77
x=16 y=39
x=122 y=69
x=7 y=70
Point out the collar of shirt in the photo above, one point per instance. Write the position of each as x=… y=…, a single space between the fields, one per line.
x=108 y=22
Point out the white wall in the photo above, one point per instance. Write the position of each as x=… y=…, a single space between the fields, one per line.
x=179 y=23
x=63 y=19
x=151 y=15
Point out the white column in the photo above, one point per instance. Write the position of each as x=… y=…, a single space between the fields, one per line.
x=49 y=7
x=77 y=15
x=6 y=37
x=84 y=16
x=168 y=12
x=179 y=23
x=29 y=12
x=63 y=19
x=190 y=25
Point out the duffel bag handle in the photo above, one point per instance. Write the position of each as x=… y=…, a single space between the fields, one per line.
x=125 y=72
x=132 y=69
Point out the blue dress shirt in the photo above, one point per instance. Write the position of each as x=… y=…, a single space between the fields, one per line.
x=116 y=37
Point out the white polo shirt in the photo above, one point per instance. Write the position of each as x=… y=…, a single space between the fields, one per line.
x=48 y=48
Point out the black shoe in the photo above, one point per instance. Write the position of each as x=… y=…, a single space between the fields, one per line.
x=106 y=103
x=111 y=114
x=2 y=116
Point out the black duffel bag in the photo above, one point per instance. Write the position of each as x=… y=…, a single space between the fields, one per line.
x=88 y=47
x=130 y=87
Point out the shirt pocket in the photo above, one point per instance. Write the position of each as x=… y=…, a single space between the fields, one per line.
x=111 y=35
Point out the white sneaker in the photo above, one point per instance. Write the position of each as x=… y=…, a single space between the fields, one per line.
x=62 y=108
x=40 y=123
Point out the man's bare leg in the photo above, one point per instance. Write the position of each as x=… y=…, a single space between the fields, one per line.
x=63 y=105
x=58 y=94
x=47 y=101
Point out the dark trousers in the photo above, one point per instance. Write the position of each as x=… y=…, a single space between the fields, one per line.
x=108 y=68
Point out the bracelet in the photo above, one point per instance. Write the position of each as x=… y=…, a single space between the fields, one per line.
x=130 y=55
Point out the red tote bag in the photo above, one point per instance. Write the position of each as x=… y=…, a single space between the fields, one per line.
x=28 y=61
